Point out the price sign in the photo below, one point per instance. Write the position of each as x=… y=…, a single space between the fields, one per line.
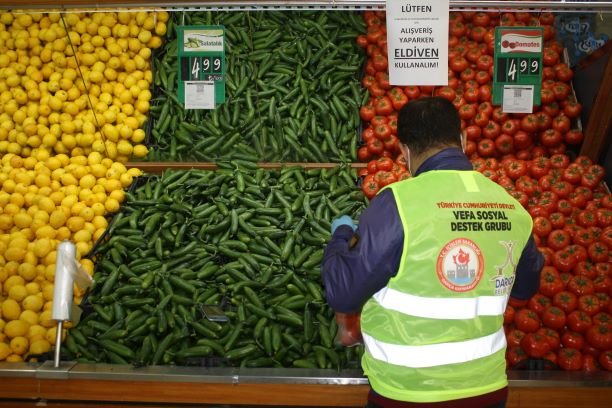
x=201 y=74
x=518 y=65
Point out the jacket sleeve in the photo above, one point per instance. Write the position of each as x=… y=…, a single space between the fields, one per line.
x=352 y=275
x=527 y=278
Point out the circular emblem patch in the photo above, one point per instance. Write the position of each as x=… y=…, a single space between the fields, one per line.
x=460 y=265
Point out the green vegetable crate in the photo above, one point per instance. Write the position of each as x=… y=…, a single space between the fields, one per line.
x=246 y=240
x=292 y=85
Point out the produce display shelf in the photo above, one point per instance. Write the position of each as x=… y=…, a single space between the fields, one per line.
x=286 y=387
x=566 y=6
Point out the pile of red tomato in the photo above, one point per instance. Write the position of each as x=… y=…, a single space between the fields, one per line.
x=568 y=322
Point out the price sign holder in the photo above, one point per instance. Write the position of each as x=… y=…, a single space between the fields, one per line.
x=518 y=67
x=201 y=59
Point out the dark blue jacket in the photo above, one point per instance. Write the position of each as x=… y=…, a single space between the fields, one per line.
x=352 y=276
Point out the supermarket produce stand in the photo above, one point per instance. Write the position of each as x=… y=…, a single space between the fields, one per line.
x=26 y=385
x=76 y=384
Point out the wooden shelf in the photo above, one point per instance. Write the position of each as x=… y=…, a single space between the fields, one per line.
x=22 y=392
x=159 y=167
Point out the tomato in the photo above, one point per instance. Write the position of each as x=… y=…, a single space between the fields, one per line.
x=550 y=57
x=561 y=123
x=547 y=96
x=370 y=187
x=484 y=91
x=551 y=138
x=516 y=169
x=564 y=261
x=604 y=220
x=515 y=356
x=572 y=109
x=551 y=336
x=602 y=283
x=482 y=77
x=380 y=63
x=535 y=345
x=605 y=359
x=382 y=131
x=514 y=337
x=522 y=139
x=458 y=64
x=581 y=285
x=566 y=301
x=542 y=227
x=486 y=148
x=590 y=363
x=446 y=92
x=600 y=336
x=509 y=314
x=473 y=132
x=578 y=321
x=589 y=304
x=384 y=178
x=384 y=164
x=367 y=112
x=375 y=147
x=527 y=320
x=559 y=161
x=598 y=252
x=363 y=153
x=602 y=318
x=538 y=303
x=561 y=91
x=552 y=108
x=558 y=239
x=569 y=359
x=529 y=123
x=572 y=339
x=383 y=106
x=457 y=29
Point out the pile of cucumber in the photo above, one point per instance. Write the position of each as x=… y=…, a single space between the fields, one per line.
x=247 y=240
x=292 y=90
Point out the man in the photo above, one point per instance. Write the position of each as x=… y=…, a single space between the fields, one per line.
x=436 y=258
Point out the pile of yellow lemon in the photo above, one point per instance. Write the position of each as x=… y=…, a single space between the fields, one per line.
x=74 y=95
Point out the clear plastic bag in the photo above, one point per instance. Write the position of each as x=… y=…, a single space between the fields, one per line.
x=349 y=329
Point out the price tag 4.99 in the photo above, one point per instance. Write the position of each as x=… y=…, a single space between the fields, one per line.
x=201 y=55
x=518 y=68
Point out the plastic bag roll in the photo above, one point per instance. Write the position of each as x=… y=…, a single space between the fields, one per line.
x=63 y=287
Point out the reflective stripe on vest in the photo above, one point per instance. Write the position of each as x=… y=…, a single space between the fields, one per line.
x=440 y=308
x=435 y=354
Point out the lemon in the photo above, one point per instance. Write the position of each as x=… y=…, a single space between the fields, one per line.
x=29 y=317
x=32 y=303
x=19 y=345
x=17 y=293
x=16 y=328
x=36 y=331
x=46 y=320
x=10 y=309
x=5 y=349
x=33 y=288
x=40 y=346
x=111 y=205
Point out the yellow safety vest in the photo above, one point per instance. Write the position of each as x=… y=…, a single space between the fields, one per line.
x=435 y=332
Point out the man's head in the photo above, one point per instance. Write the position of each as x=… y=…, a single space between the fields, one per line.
x=428 y=124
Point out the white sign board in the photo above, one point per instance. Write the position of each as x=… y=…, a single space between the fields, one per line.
x=417 y=38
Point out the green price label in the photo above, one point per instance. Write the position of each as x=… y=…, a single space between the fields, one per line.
x=518 y=60
x=201 y=59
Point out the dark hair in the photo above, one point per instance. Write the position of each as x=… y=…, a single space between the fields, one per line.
x=428 y=123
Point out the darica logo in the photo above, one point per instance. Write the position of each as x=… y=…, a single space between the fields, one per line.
x=504 y=278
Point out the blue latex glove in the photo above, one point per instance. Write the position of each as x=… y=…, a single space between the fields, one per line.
x=342 y=220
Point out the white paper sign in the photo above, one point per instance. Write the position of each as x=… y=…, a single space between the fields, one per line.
x=517 y=99
x=199 y=95
x=417 y=42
